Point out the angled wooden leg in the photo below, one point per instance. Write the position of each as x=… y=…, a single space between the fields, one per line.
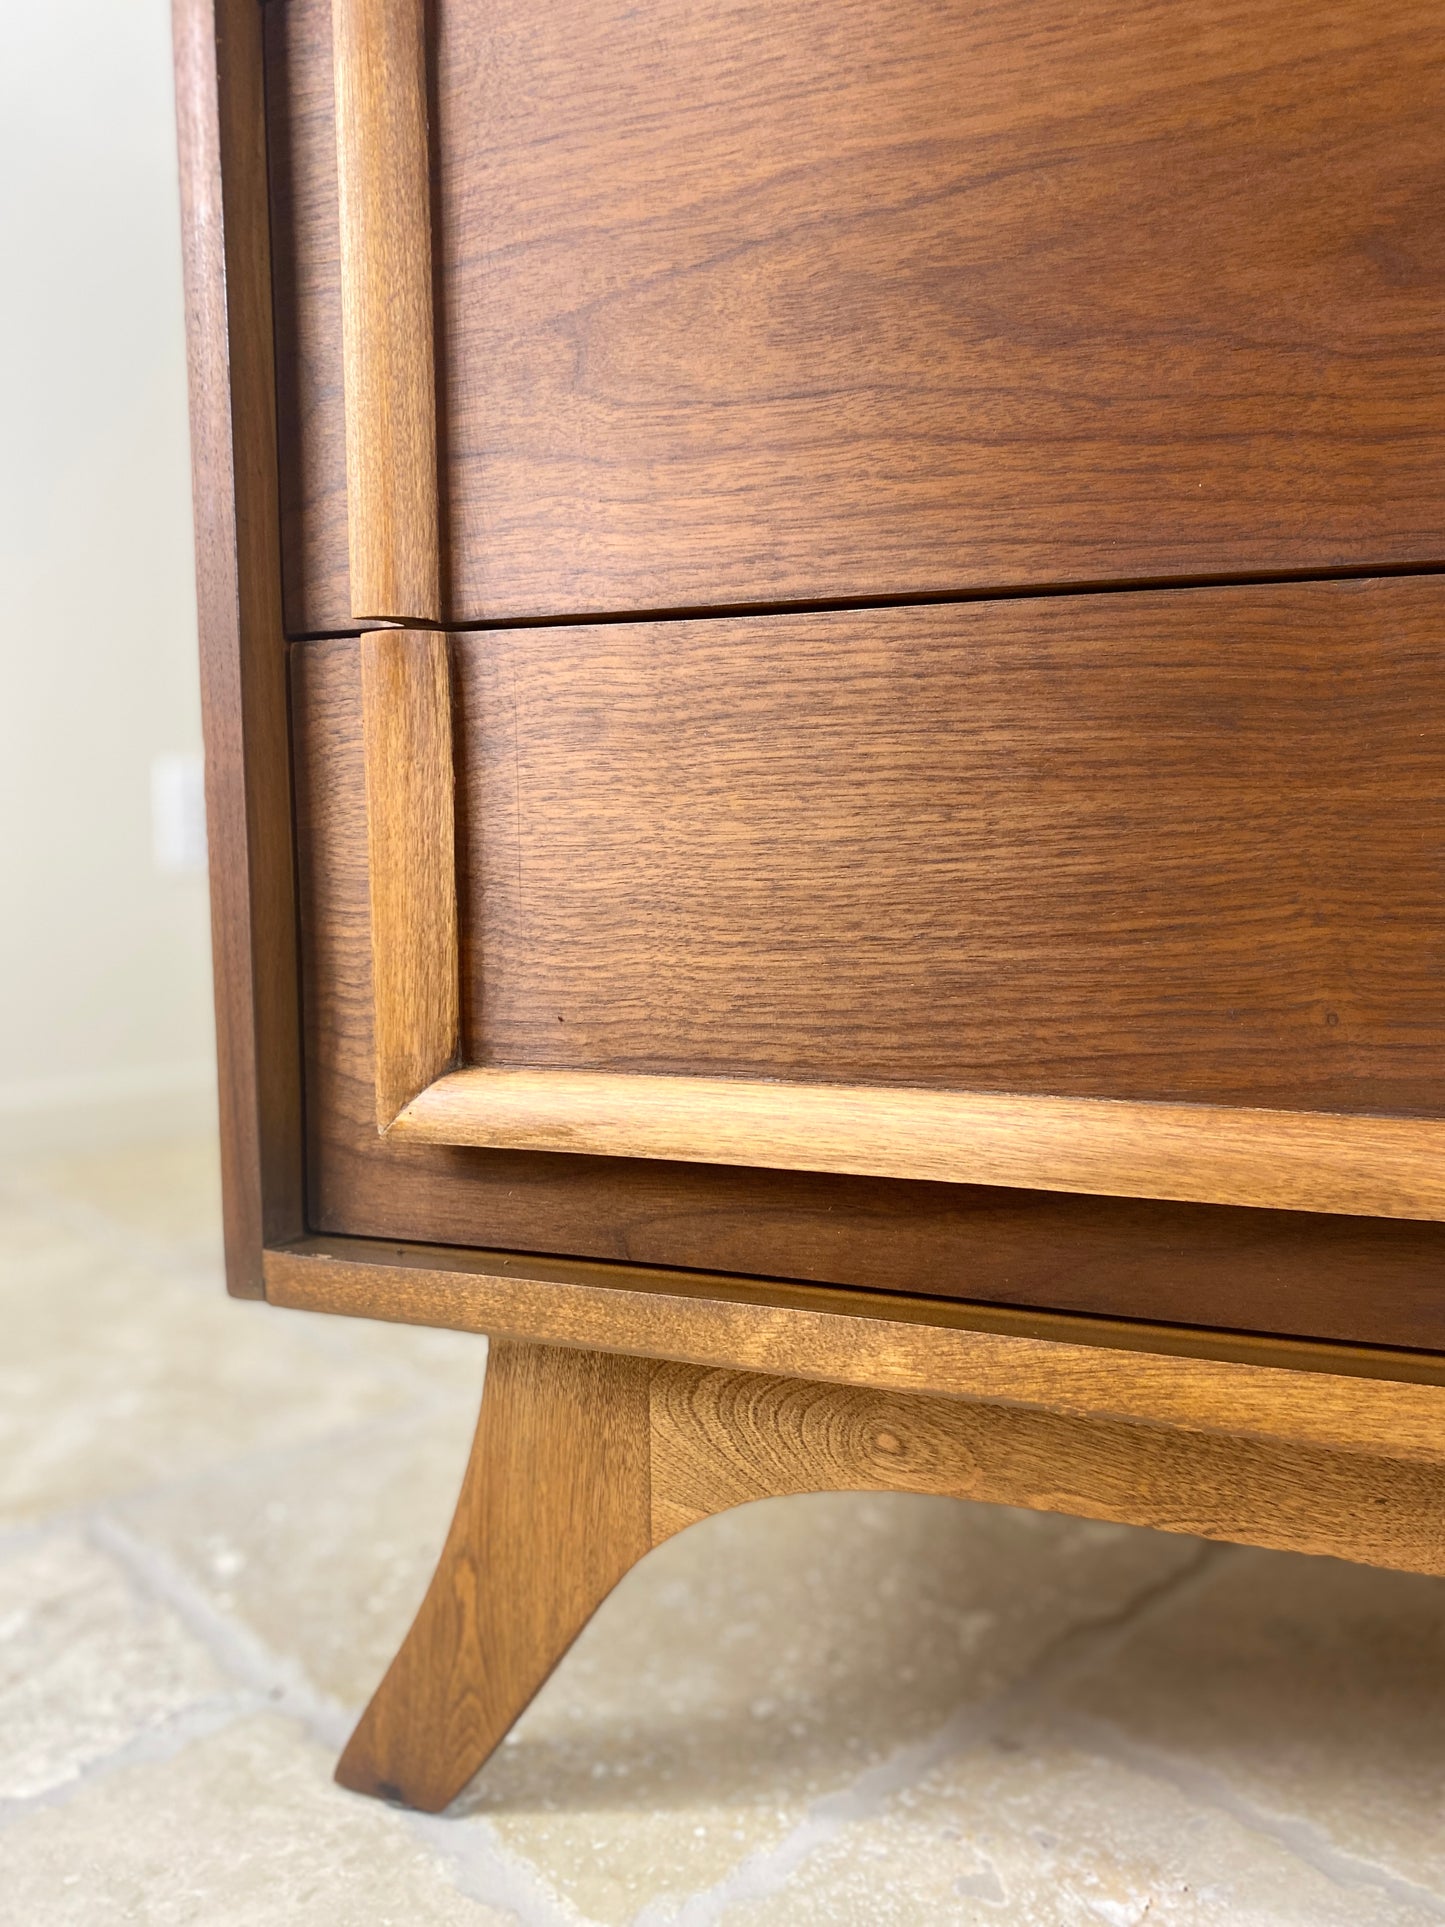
x=583 y=1461
x=554 y=1509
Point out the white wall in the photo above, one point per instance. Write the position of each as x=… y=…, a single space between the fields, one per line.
x=105 y=1025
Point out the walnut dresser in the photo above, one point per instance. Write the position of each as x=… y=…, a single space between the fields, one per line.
x=824 y=633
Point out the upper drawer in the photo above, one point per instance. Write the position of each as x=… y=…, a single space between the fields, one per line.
x=769 y=300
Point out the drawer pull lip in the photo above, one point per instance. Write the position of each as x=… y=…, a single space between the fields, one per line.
x=388 y=350
x=1350 y=1165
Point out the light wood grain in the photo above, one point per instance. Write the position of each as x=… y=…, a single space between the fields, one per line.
x=410 y=829
x=1339 y=1398
x=379 y=77
x=1285 y=1160
x=582 y=1462
x=220 y=106
x=721 y=1439
x=554 y=1509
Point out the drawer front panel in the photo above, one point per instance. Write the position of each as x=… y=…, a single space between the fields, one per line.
x=1156 y=847
x=775 y=301
x=1176 y=846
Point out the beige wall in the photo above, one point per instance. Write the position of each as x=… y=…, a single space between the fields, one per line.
x=104 y=994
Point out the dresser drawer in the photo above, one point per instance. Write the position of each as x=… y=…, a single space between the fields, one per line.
x=768 y=301
x=912 y=917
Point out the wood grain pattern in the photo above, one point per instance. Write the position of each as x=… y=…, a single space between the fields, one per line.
x=1359 y=1280
x=762 y=302
x=554 y=1510
x=384 y=213
x=1181 y=846
x=1282 y=1160
x=721 y=1439
x=1338 y=850
x=1340 y=1399
x=226 y=254
x=582 y=1462
x=406 y=704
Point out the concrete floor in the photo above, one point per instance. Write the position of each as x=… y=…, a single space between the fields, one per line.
x=216 y=1520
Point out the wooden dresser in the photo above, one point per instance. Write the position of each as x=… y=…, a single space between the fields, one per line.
x=823 y=631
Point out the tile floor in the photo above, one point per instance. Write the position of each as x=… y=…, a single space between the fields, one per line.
x=216 y=1520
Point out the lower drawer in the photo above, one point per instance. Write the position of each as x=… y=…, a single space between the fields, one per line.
x=1169 y=855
